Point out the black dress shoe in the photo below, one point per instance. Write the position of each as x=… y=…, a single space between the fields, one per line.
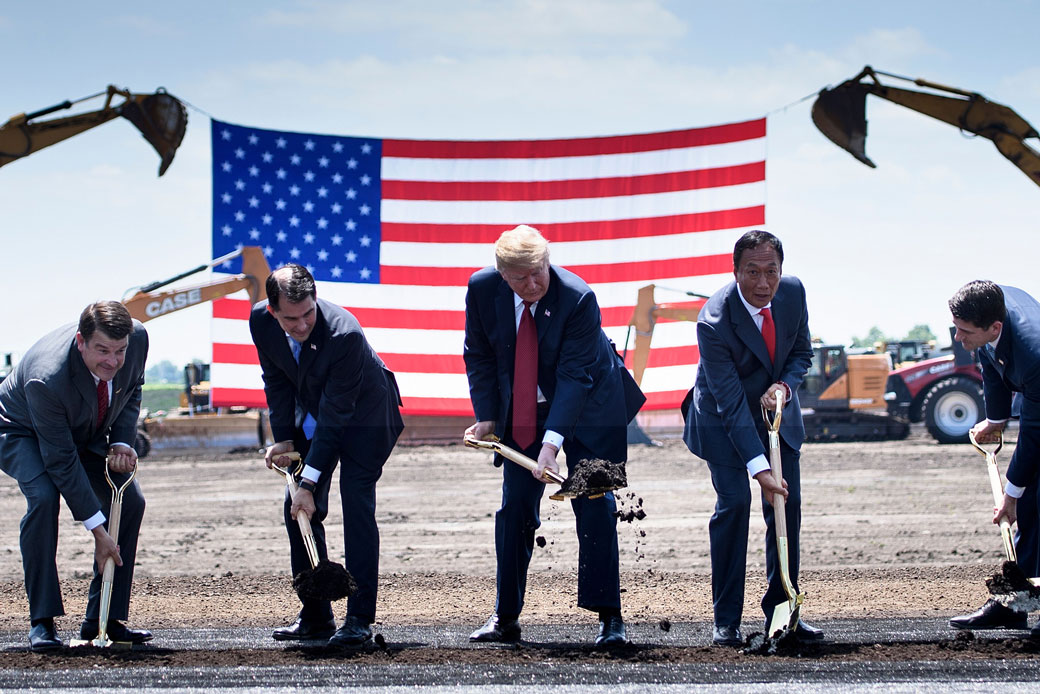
x=354 y=632
x=806 y=632
x=498 y=630
x=992 y=615
x=116 y=631
x=727 y=636
x=611 y=631
x=301 y=630
x=43 y=637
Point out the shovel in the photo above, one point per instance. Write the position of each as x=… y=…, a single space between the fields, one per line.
x=529 y=464
x=114 y=513
x=325 y=580
x=1010 y=572
x=785 y=615
x=998 y=492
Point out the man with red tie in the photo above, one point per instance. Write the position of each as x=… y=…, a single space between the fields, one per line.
x=69 y=408
x=753 y=338
x=543 y=376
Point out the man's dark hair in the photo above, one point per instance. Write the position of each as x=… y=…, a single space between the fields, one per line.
x=297 y=287
x=980 y=303
x=109 y=317
x=754 y=239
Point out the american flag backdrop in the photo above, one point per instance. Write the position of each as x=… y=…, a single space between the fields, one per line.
x=392 y=230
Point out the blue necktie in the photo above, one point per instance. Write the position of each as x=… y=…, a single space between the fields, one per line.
x=308 y=425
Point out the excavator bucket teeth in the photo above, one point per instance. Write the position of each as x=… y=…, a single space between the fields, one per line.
x=162 y=119
x=841 y=115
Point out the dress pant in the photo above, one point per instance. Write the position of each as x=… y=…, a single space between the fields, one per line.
x=39 y=542
x=357 y=489
x=518 y=519
x=728 y=533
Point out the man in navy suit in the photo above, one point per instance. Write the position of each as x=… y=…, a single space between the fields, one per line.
x=69 y=409
x=1003 y=324
x=738 y=374
x=332 y=399
x=580 y=398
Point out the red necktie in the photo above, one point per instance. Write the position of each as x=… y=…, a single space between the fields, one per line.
x=769 y=333
x=102 y=401
x=525 y=380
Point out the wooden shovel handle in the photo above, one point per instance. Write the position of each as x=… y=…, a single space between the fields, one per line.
x=514 y=455
x=302 y=519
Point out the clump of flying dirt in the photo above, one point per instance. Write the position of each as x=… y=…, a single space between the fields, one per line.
x=630 y=509
x=326 y=581
x=540 y=541
x=591 y=476
x=665 y=625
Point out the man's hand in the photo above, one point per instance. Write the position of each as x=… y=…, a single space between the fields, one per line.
x=276 y=455
x=303 y=500
x=769 y=485
x=987 y=431
x=546 y=461
x=1009 y=509
x=121 y=459
x=105 y=548
x=768 y=399
x=481 y=431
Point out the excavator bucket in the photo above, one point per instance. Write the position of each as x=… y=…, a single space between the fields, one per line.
x=162 y=119
x=841 y=115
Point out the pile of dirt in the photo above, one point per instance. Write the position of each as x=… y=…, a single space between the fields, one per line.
x=328 y=581
x=591 y=476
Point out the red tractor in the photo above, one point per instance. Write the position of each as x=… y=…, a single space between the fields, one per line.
x=945 y=393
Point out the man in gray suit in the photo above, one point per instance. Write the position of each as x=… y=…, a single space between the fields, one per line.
x=69 y=406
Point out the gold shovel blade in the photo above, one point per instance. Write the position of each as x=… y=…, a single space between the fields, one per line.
x=101 y=643
x=785 y=618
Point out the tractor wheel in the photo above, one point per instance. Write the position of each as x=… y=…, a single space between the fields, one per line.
x=143 y=443
x=952 y=407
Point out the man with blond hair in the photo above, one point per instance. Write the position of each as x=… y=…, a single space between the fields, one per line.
x=543 y=376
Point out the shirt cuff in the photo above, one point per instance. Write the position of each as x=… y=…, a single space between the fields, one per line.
x=94 y=521
x=757 y=465
x=995 y=421
x=120 y=443
x=553 y=438
x=310 y=473
x=1014 y=491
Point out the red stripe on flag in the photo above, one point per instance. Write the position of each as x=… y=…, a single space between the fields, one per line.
x=664 y=400
x=238 y=397
x=580 y=231
x=424 y=363
x=233 y=353
x=438 y=407
x=617 y=186
x=587 y=146
x=647 y=270
x=666 y=356
x=236 y=309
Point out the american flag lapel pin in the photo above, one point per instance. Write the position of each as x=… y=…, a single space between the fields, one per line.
x=547 y=314
x=314 y=346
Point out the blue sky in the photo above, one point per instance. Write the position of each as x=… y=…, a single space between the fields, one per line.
x=88 y=219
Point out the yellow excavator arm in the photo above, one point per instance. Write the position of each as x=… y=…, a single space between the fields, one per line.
x=160 y=117
x=840 y=114
x=145 y=303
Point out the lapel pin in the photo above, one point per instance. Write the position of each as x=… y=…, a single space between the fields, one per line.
x=547 y=314
x=314 y=346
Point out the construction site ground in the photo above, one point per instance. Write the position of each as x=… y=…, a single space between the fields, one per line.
x=896 y=538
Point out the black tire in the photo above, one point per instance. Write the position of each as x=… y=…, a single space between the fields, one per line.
x=143 y=443
x=952 y=407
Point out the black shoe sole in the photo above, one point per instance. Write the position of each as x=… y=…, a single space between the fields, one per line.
x=49 y=648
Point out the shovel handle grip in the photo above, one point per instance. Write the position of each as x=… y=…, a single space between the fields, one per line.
x=303 y=520
x=514 y=455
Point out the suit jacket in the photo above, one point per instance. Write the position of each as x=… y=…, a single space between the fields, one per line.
x=724 y=422
x=340 y=381
x=1015 y=368
x=48 y=414
x=581 y=375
